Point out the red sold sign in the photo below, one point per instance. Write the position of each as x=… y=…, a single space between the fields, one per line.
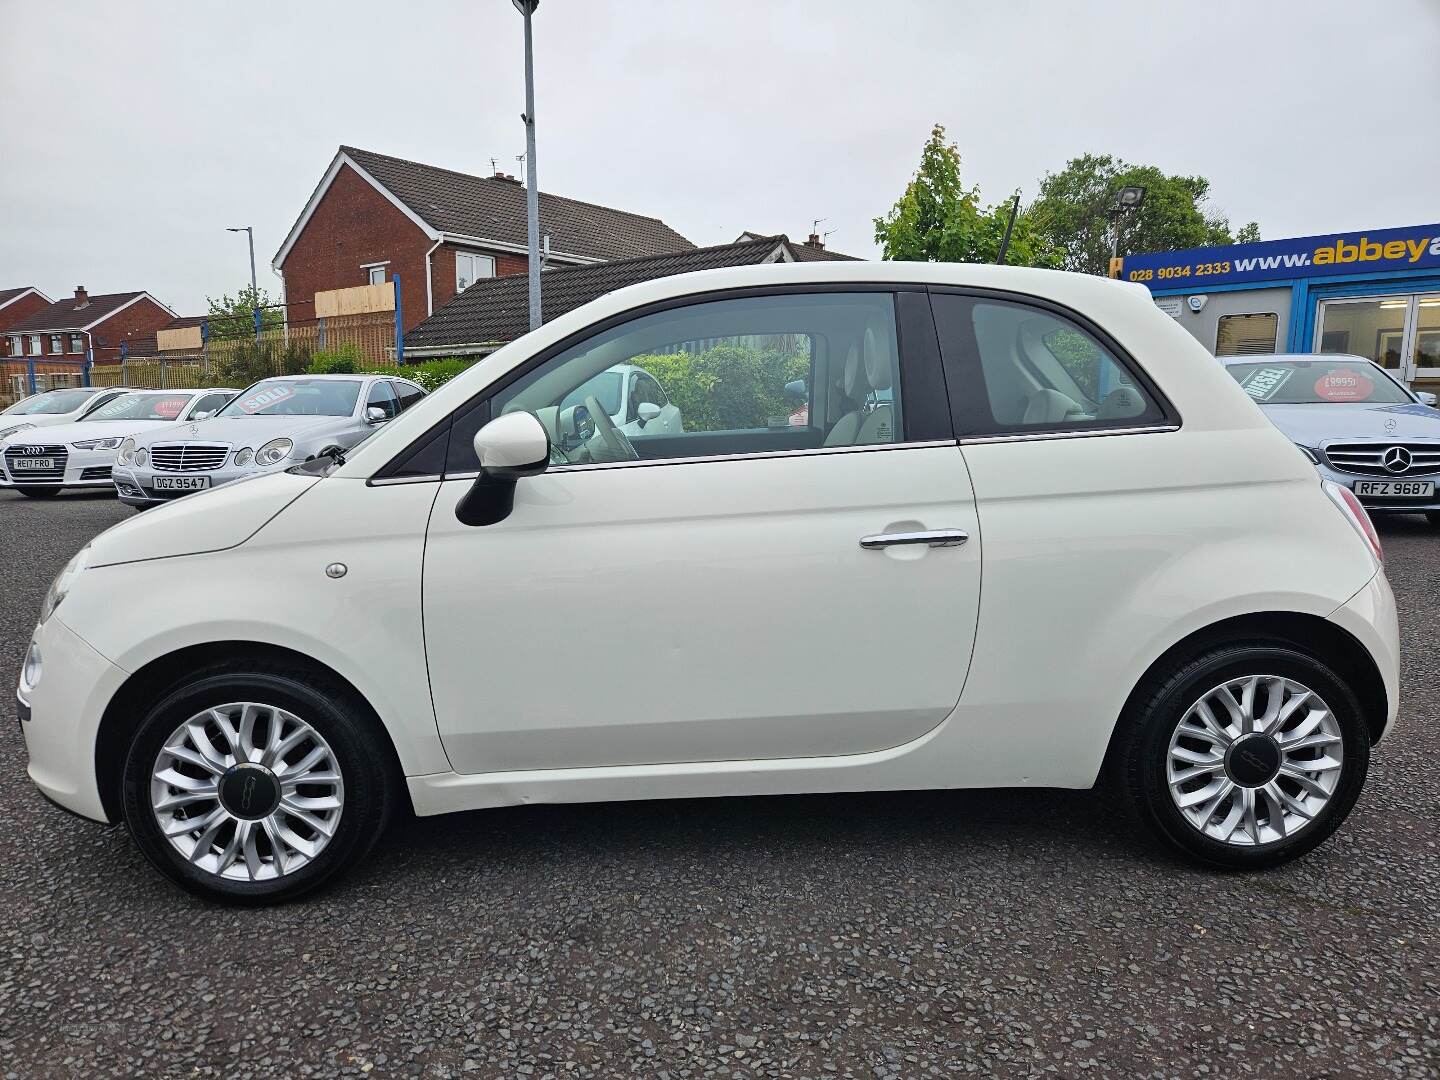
x=1344 y=386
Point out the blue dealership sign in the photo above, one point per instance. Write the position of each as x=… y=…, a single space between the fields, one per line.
x=1416 y=247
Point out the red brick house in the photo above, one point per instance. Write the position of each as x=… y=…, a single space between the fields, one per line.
x=85 y=325
x=17 y=305
x=372 y=217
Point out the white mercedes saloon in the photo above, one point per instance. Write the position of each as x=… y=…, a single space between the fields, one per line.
x=1023 y=531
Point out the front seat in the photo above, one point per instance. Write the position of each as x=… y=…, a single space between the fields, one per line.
x=855 y=389
x=878 y=426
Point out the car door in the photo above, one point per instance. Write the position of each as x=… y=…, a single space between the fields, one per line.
x=722 y=595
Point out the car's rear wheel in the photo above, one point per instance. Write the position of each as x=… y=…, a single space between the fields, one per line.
x=255 y=784
x=1246 y=757
x=38 y=492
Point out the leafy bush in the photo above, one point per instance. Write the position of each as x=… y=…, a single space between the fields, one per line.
x=727 y=386
x=240 y=363
x=345 y=360
x=434 y=373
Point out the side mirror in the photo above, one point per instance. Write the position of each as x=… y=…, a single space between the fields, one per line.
x=509 y=448
x=374 y=414
x=1426 y=397
x=647 y=411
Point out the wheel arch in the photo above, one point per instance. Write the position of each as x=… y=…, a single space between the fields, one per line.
x=1312 y=634
x=149 y=683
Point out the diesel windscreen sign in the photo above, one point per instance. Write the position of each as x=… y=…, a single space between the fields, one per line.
x=1414 y=248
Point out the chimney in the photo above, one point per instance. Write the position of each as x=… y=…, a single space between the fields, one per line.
x=81 y=297
x=813 y=240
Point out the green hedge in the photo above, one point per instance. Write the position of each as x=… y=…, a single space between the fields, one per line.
x=727 y=386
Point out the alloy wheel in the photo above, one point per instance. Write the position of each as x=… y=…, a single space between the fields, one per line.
x=247 y=791
x=1255 y=760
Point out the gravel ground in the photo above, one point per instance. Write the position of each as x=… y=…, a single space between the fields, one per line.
x=999 y=933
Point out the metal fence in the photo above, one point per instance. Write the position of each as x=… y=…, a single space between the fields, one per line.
x=222 y=360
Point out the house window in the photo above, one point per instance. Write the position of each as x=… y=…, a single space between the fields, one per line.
x=376 y=275
x=470 y=267
x=57 y=344
x=34 y=344
x=1244 y=335
x=77 y=343
x=17 y=347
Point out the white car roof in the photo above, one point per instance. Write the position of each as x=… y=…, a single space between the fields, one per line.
x=1260 y=358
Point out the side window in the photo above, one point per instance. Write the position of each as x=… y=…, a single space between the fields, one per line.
x=210 y=403
x=1242 y=335
x=381 y=396
x=1037 y=371
x=751 y=375
x=408 y=393
x=648 y=392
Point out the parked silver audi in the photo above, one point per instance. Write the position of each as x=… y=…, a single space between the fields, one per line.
x=269 y=426
x=1363 y=428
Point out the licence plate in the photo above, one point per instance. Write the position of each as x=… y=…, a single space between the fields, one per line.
x=26 y=463
x=1396 y=489
x=181 y=483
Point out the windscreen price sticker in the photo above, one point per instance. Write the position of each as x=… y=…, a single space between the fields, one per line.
x=263 y=399
x=1262 y=385
x=169 y=408
x=1344 y=386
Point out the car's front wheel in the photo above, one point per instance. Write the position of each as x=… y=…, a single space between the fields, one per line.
x=1246 y=757
x=253 y=784
x=1434 y=518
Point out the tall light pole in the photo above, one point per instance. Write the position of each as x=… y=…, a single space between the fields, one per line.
x=532 y=192
x=1127 y=201
x=254 y=290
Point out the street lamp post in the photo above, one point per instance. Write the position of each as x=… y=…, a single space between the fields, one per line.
x=254 y=290
x=1128 y=200
x=532 y=192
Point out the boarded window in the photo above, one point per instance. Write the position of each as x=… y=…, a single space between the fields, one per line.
x=1244 y=335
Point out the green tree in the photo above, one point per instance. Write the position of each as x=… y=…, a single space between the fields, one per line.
x=232 y=317
x=939 y=219
x=1073 y=213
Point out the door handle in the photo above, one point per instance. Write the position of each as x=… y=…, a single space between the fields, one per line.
x=935 y=538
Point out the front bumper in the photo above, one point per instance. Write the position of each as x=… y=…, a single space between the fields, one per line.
x=136 y=487
x=83 y=469
x=1386 y=506
x=60 y=718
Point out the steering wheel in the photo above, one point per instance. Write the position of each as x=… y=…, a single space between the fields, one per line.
x=614 y=439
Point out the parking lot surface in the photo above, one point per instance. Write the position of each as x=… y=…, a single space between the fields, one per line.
x=934 y=934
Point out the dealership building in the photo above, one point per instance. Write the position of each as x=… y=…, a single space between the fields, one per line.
x=1374 y=293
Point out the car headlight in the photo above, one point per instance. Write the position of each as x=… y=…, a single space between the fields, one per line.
x=142 y=458
x=30 y=673
x=6 y=432
x=127 y=452
x=273 y=451
x=243 y=456
x=60 y=587
x=98 y=444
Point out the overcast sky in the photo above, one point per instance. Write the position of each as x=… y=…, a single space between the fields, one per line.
x=134 y=133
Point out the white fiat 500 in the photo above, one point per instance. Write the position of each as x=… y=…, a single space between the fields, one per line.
x=1027 y=533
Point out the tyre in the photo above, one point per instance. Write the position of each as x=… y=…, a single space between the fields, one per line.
x=1434 y=518
x=38 y=492
x=1246 y=757
x=254 y=784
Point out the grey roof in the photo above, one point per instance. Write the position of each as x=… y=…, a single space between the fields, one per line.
x=65 y=315
x=496 y=310
x=493 y=208
x=6 y=295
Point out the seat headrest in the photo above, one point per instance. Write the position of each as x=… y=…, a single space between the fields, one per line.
x=852 y=382
x=877 y=363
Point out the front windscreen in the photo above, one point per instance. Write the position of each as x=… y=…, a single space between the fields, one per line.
x=142 y=407
x=1316 y=382
x=52 y=403
x=296 y=397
